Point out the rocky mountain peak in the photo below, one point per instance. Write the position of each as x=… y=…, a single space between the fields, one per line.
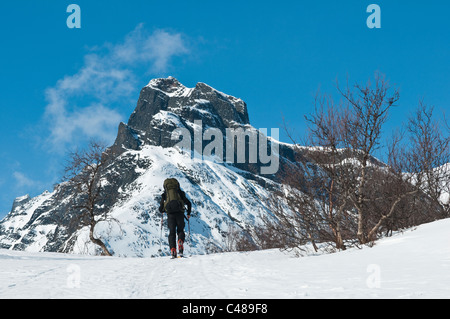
x=170 y=86
x=165 y=104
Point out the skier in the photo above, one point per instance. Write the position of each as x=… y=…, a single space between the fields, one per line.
x=173 y=202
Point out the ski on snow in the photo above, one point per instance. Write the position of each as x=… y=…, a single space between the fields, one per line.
x=178 y=257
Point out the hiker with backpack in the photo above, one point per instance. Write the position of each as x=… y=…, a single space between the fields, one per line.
x=173 y=202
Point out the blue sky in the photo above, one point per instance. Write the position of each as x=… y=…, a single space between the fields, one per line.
x=61 y=86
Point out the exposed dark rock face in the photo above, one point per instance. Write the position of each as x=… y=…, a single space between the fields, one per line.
x=165 y=104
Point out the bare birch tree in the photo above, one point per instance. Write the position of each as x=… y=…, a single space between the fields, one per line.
x=430 y=155
x=83 y=174
x=344 y=192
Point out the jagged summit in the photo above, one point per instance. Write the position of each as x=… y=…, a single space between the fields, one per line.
x=169 y=86
x=165 y=104
x=199 y=96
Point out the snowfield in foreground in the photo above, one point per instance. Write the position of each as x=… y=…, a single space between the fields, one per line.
x=413 y=264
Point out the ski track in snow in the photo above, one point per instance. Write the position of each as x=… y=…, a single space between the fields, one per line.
x=413 y=264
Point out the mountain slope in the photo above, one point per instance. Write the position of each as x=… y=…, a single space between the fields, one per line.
x=168 y=135
x=221 y=197
x=413 y=264
x=223 y=194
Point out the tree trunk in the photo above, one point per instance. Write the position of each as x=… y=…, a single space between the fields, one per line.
x=98 y=241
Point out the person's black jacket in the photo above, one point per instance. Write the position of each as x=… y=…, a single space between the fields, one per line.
x=183 y=197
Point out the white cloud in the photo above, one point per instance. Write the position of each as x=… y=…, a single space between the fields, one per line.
x=82 y=105
x=156 y=49
x=23 y=181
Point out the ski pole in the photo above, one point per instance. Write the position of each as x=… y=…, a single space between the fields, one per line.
x=189 y=229
x=160 y=234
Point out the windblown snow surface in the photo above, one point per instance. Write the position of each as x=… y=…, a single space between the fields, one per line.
x=411 y=264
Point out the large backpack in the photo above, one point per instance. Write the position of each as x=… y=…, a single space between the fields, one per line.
x=173 y=202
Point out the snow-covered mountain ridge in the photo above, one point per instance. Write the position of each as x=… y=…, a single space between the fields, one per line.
x=223 y=194
x=229 y=194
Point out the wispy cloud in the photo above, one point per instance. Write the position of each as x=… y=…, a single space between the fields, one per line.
x=24 y=182
x=84 y=105
x=157 y=48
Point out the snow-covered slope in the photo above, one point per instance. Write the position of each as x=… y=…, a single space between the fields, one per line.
x=142 y=156
x=220 y=196
x=413 y=264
